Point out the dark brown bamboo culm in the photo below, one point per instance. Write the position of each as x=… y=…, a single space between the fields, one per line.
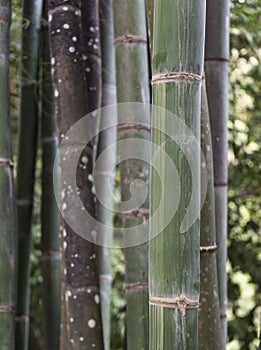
x=81 y=317
x=51 y=260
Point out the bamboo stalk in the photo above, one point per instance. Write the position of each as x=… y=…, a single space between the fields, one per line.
x=81 y=328
x=132 y=86
x=106 y=139
x=209 y=318
x=216 y=69
x=178 y=47
x=26 y=162
x=51 y=262
x=8 y=246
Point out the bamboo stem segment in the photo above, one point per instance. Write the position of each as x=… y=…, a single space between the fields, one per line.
x=32 y=10
x=8 y=229
x=177 y=67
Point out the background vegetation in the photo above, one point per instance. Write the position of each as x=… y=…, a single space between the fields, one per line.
x=244 y=241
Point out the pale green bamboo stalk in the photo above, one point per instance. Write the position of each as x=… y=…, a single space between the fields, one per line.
x=51 y=260
x=26 y=162
x=133 y=86
x=177 y=65
x=106 y=139
x=209 y=318
x=216 y=68
x=8 y=241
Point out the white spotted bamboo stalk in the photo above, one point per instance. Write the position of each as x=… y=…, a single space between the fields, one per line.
x=132 y=74
x=216 y=69
x=81 y=317
x=8 y=230
x=174 y=259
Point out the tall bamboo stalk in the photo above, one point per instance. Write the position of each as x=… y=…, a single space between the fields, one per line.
x=106 y=139
x=81 y=319
x=178 y=48
x=216 y=68
x=51 y=264
x=209 y=318
x=132 y=86
x=26 y=161
x=8 y=245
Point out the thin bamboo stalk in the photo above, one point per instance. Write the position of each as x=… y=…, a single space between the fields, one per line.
x=209 y=318
x=8 y=245
x=51 y=260
x=216 y=69
x=81 y=328
x=106 y=139
x=26 y=162
x=178 y=48
x=133 y=86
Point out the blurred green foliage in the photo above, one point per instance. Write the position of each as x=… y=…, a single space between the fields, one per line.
x=244 y=217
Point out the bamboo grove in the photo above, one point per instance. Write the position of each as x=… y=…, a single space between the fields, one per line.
x=77 y=58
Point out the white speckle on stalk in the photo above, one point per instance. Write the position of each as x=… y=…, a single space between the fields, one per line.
x=71 y=340
x=96 y=40
x=64 y=206
x=81 y=339
x=95 y=47
x=90 y=177
x=84 y=160
x=75 y=297
x=58 y=30
x=72 y=265
x=64 y=245
x=74 y=38
x=84 y=57
x=77 y=13
x=52 y=61
x=97 y=298
x=56 y=93
x=92 y=29
x=65 y=8
x=64 y=233
x=66 y=26
x=62 y=136
x=71 y=49
x=65 y=271
x=88 y=69
x=50 y=17
x=71 y=319
x=91 y=323
x=59 y=81
x=88 y=290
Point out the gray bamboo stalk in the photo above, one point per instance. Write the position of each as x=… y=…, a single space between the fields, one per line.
x=51 y=260
x=106 y=139
x=174 y=266
x=150 y=15
x=8 y=229
x=209 y=317
x=81 y=327
x=26 y=162
x=216 y=69
x=133 y=86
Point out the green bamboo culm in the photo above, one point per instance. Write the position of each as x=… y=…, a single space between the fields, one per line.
x=216 y=69
x=51 y=263
x=8 y=246
x=81 y=326
x=209 y=318
x=106 y=139
x=28 y=125
x=174 y=254
x=132 y=73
